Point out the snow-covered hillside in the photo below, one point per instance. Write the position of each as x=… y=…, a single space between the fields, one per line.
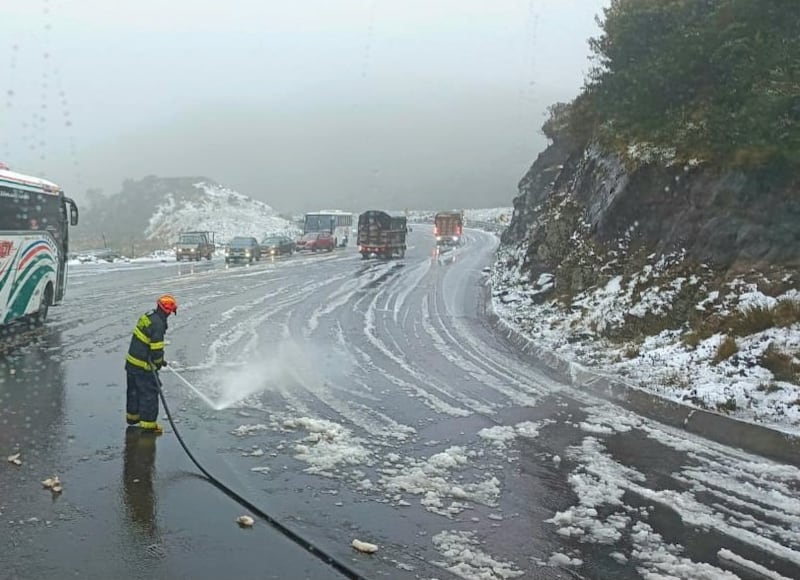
x=218 y=209
x=739 y=355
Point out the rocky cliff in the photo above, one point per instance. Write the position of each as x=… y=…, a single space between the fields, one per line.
x=578 y=209
x=682 y=277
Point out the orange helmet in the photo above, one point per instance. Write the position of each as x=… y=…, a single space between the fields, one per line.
x=168 y=304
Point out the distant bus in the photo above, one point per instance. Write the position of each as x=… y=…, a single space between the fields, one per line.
x=34 y=241
x=337 y=223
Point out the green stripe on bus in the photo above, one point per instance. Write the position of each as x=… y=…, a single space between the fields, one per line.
x=21 y=302
x=34 y=263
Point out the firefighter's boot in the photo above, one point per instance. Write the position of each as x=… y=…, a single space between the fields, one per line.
x=152 y=426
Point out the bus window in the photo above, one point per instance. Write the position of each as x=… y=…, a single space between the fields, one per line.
x=24 y=211
x=14 y=206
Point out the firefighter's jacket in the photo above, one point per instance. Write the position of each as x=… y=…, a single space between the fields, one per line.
x=146 y=352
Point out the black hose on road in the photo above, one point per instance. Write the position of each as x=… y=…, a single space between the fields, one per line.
x=330 y=560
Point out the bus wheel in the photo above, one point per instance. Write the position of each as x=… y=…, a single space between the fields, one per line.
x=44 y=306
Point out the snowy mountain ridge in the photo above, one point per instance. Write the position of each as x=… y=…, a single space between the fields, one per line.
x=149 y=213
x=219 y=209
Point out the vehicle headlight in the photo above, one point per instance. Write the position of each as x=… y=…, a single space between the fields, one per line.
x=455 y=238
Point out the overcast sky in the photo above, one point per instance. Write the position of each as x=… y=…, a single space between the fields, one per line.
x=306 y=104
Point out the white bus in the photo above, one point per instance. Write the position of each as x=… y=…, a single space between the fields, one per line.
x=338 y=223
x=34 y=240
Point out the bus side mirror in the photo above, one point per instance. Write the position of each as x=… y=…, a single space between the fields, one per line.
x=73 y=214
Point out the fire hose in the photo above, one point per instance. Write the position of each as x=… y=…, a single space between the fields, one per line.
x=307 y=545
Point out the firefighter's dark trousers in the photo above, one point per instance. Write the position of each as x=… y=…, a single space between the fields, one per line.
x=142 y=395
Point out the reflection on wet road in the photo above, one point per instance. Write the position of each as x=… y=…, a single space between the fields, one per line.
x=364 y=400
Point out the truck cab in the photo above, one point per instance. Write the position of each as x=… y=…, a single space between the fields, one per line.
x=448 y=227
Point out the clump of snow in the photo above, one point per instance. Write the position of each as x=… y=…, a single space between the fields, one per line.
x=365 y=547
x=619 y=557
x=245 y=430
x=499 y=436
x=220 y=210
x=432 y=479
x=530 y=429
x=557 y=559
x=328 y=445
x=465 y=558
x=595 y=428
x=503 y=435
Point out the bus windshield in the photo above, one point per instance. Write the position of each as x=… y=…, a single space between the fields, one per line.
x=22 y=210
x=320 y=223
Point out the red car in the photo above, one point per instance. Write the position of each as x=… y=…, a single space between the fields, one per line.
x=316 y=241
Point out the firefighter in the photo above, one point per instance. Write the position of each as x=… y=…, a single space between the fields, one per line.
x=145 y=357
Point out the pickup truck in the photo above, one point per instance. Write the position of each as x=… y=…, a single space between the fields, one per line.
x=194 y=245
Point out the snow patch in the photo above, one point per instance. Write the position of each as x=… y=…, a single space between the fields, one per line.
x=465 y=558
x=328 y=445
x=431 y=479
x=503 y=435
x=560 y=560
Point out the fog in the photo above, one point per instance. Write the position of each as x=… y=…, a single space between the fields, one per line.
x=303 y=105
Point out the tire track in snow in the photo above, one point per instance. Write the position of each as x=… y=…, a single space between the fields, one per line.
x=343 y=296
x=480 y=374
x=370 y=329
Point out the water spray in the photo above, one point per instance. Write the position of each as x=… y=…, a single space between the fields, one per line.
x=197 y=391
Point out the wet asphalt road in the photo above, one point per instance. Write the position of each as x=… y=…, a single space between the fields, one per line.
x=360 y=399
